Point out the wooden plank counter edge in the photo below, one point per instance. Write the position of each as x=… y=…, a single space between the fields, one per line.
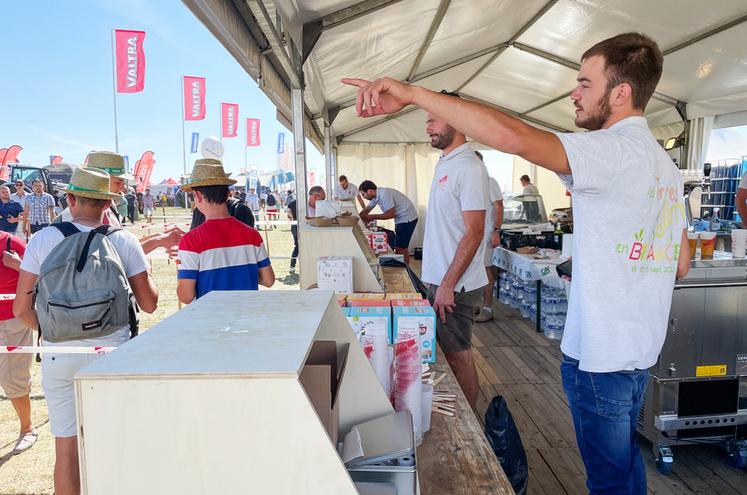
x=455 y=457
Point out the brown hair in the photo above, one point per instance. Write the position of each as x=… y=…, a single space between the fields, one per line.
x=631 y=58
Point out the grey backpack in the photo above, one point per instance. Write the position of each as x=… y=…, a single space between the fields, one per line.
x=82 y=290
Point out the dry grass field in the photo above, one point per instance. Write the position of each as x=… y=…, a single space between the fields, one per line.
x=31 y=471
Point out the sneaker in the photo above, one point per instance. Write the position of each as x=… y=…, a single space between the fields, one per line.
x=25 y=441
x=485 y=315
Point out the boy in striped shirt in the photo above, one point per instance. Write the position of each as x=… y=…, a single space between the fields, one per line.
x=222 y=253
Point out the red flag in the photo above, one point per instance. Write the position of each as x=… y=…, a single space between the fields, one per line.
x=194 y=98
x=8 y=155
x=143 y=169
x=130 y=60
x=252 y=132
x=229 y=120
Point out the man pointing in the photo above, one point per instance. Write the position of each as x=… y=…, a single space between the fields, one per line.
x=629 y=241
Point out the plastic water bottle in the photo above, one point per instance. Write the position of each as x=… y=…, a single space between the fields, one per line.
x=715 y=221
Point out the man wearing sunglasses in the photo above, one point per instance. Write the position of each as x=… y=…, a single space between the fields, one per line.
x=20 y=197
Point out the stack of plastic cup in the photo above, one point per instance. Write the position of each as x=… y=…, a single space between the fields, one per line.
x=738 y=243
x=380 y=355
x=408 y=382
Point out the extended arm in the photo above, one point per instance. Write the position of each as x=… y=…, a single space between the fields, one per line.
x=482 y=123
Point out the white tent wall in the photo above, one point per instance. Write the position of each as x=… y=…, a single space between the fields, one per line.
x=405 y=167
x=697 y=143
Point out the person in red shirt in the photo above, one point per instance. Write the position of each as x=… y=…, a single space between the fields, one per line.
x=15 y=369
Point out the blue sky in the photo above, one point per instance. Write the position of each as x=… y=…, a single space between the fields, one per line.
x=57 y=85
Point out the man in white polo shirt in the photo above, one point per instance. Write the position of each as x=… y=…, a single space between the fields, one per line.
x=629 y=239
x=345 y=190
x=741 y=200
x=394 y=205
x=453 y=248
x=493 y=223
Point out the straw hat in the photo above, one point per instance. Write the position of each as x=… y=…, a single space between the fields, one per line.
x=208 y=172
x=90 y=183
x=109 y=162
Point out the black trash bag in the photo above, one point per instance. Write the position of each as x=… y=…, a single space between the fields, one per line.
x=504 y=438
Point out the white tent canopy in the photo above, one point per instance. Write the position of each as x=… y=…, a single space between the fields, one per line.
x=517 y=55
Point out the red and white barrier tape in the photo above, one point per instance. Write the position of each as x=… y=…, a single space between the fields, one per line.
x=53 y=349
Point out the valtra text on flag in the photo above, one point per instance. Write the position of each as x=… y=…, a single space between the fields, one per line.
x=130 y=60
x=229 y=119
x=194 y=98
x=252 y=132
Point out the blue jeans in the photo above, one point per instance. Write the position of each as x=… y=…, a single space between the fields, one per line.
x=605 y=408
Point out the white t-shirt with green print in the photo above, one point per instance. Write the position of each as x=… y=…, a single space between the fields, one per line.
x=629 y=215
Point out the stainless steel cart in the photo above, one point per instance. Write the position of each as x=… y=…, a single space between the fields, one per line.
x=697 y=391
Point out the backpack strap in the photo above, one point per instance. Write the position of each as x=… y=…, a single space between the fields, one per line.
x=104 y=230
x=67 y=228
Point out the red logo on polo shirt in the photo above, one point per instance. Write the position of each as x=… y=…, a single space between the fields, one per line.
x=443 y=179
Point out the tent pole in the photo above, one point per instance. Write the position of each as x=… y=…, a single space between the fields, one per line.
x=329 y=173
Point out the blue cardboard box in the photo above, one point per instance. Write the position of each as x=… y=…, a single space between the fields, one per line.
x=377 y=319
x=422 y=318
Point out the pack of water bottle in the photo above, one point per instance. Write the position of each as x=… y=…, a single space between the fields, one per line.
x=522 y=295
x=553 y=309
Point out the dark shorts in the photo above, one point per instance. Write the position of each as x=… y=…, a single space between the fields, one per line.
x=403 y=234
x=456 y=334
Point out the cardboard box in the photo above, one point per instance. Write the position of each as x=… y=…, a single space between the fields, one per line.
x=409 y=302
x=378 y=242
x=366 y=295
x=424 y=319
x=361 y=303
x=404 y=295
x=361 y=318
x=335 y=273
x=321 y=378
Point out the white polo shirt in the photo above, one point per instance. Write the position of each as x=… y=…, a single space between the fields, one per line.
x=348 y=194
x=628 y=215
x=460 y=183
x=387 y=198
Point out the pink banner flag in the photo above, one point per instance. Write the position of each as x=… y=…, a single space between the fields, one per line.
x=130 y=60
x=8 y=155
x=143 y=169
x=252 y=132
x=194 y=98
x=229 y=120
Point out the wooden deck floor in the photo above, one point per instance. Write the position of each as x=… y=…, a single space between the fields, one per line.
x=514 y=361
